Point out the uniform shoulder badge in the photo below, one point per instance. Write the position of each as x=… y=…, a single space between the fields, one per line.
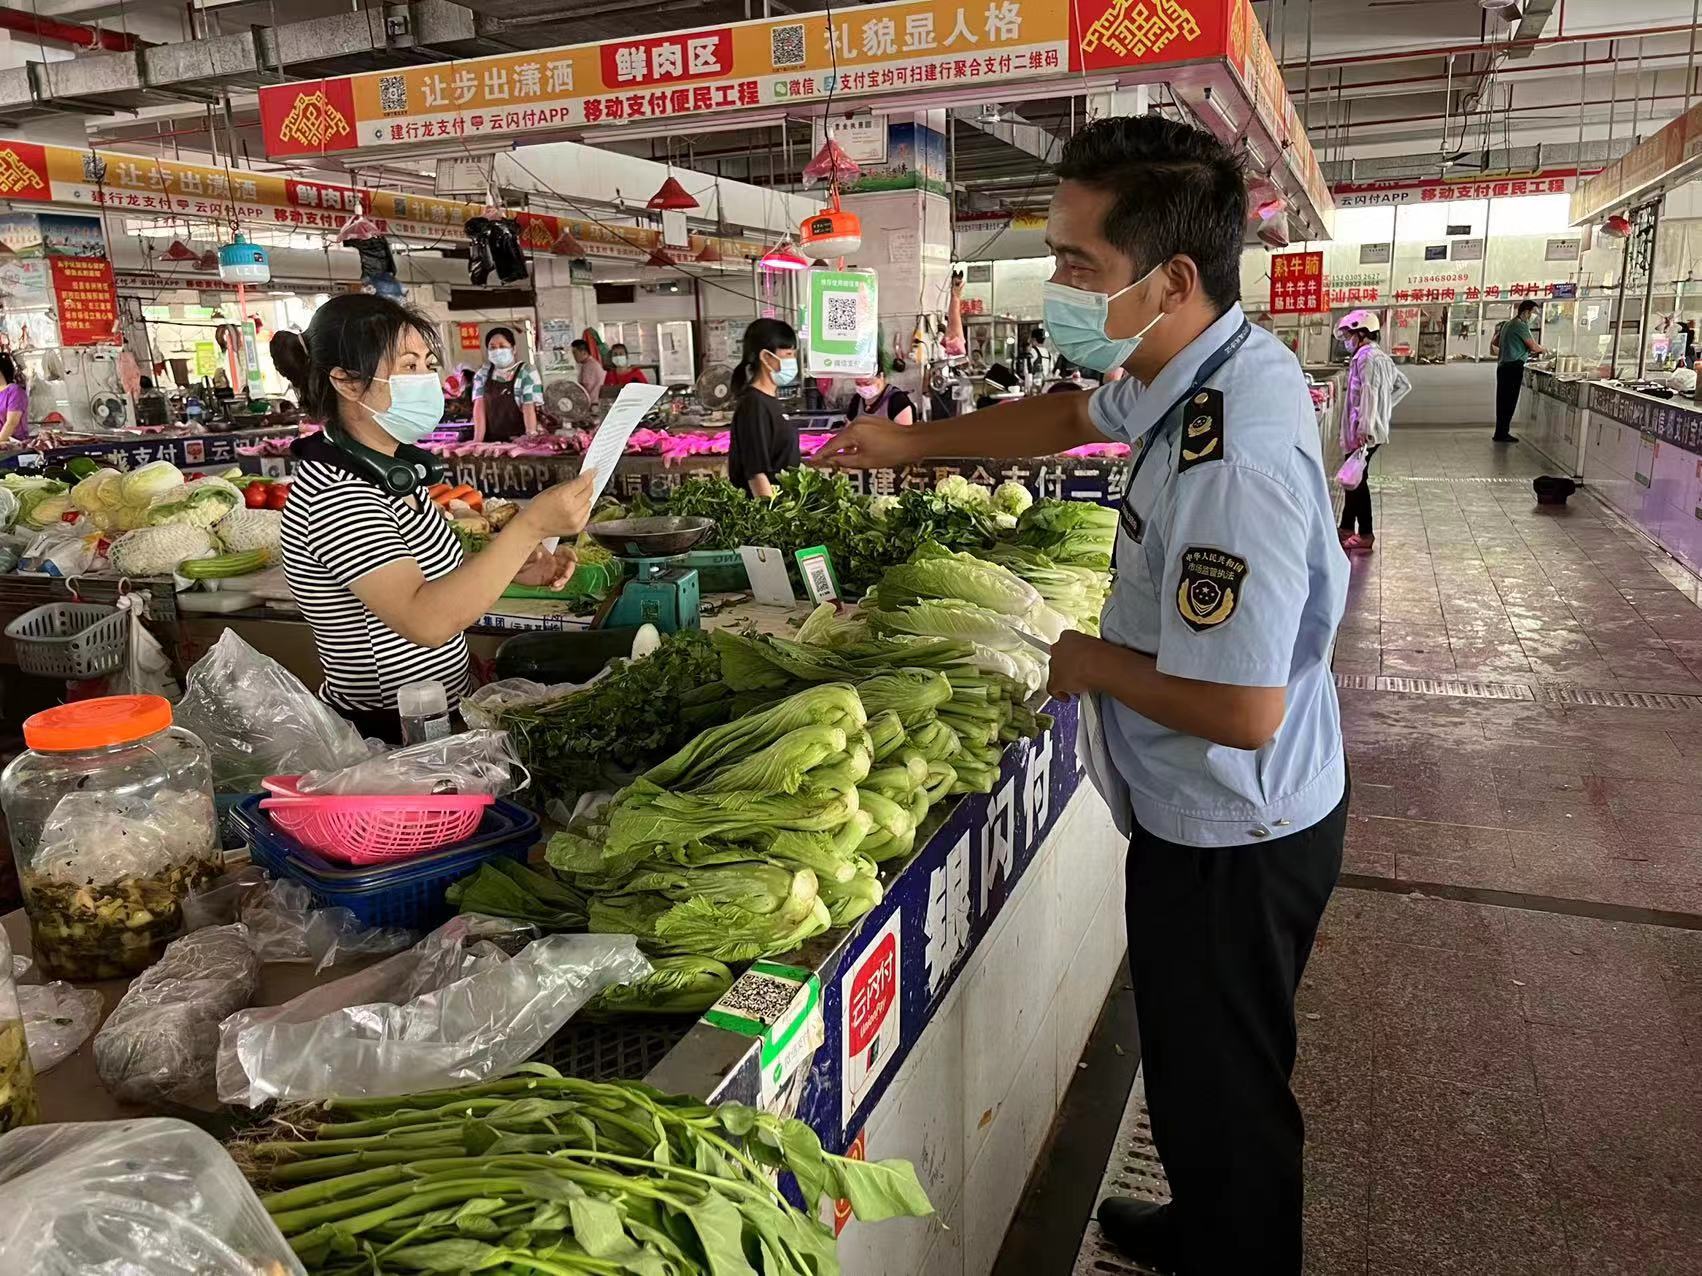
x=1202 y=430
x=1210 y=588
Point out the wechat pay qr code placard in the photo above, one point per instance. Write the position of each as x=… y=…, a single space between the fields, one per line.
x=842 y=323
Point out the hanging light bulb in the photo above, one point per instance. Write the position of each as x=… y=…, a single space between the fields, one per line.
x=783 y=256
x=672 y=197
x=833 y=232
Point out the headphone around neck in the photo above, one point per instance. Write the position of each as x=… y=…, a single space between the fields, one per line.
x=397 y=475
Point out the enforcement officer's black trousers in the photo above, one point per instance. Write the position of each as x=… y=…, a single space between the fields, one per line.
x=1217 y=942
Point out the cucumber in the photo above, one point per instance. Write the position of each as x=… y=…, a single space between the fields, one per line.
x=222 y=566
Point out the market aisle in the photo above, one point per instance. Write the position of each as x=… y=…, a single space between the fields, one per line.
x=1501 y=1032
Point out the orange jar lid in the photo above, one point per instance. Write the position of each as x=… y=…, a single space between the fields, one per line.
x=97 y=724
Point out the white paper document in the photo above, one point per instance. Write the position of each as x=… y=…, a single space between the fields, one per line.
x=609 y=442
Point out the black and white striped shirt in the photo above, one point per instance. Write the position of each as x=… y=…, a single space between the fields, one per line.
x=337 y=527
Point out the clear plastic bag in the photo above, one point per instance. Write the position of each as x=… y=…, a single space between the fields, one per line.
x=147 y=669
x=259 y=720
x=449 y=1011
x=122 y=1198
x=466 y=762
x=160 y=1043
x=283 y=925
x=482 y=709
x=57 y=1019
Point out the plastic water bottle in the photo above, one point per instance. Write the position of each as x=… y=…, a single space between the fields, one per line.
x=424 y=710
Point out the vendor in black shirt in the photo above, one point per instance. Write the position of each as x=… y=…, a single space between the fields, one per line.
x=877 y=397
x=763 y=443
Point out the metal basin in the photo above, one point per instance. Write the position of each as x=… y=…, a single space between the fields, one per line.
x=651 y=537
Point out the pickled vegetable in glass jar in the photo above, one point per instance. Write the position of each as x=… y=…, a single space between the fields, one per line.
x=17 y=1078
x=112 y=822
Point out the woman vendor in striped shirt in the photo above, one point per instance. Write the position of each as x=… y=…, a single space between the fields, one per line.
x=373 y=565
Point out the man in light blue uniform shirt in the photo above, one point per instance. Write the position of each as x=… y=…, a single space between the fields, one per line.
x=1210 y=722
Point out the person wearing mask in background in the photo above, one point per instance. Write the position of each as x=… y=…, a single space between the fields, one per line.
x=1210 y=720
x=1374 y=386
x=764 y=443
x=591 y=371
x=371 y=562
x=506 y=392
x=621 y=372
x=877 y=396
x=1513 y=343
x=14 y=402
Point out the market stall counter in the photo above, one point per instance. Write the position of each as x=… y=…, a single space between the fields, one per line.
x=1642 y=454
x=189 y=450
x=1551 y=418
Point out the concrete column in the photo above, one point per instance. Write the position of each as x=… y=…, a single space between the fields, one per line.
x=907 y=230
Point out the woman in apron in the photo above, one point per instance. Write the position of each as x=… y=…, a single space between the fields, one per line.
x=506 y=393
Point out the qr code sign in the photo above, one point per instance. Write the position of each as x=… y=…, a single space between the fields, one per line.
x=787 y=45
x=392 y=94
x=840 y=322
x=756 y=995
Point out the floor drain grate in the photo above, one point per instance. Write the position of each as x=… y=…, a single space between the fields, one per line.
x=1546 y=694
x=1622 y=699
x=1436 y=687
x=1133 y=1170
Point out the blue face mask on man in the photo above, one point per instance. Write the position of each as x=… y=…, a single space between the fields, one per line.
x=1076 y=319
x=416 y=406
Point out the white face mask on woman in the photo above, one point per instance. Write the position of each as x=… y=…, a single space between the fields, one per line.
x=501 y=356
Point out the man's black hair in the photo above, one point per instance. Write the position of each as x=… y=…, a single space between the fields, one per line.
x=1527 y=305
x=579 y=345
x=1178 y=190
x=1037 y=333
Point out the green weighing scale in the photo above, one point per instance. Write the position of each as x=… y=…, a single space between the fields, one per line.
x=657 y=589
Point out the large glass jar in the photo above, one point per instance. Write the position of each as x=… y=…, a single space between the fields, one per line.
x=112 y=822
x=17 y=1078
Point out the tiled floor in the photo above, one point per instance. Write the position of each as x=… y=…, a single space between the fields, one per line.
x=1501 y=1051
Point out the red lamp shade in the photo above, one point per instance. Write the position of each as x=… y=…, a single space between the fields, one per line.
x=568 y=245
x=177 y=250
x=783 y=256
x=659 y=257
x=1616 y=227
x=710 y=253
x=671 y=196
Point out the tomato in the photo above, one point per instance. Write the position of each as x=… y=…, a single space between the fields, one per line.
x=254 y=495
x=276 y=495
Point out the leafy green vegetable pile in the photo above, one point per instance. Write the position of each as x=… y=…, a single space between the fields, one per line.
x=1070 y=533
x=813 y=507
x=17 y=1078
x=541 y=1173
x=635 y=715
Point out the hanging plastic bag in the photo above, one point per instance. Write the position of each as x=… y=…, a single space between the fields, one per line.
x=147 y=669
x=160 y=1043
x=1352 y=472
x=450 y=1011
x=466 y=762
x=259 y=720
x=111 y=1198
x=57 y=1019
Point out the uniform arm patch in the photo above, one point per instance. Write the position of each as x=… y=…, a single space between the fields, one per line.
x=1210 y=587
x=1202 y=431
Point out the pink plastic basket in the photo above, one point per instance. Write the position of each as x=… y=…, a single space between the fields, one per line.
x=371 y=830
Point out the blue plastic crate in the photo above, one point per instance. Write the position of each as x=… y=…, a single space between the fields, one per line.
x=409 y=893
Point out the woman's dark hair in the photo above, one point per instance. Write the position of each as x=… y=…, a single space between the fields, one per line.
x=619 y=345
x=772 y=335
x=1366 y=334
x=9 y=369
x=501 y=332
x=1176 y=191
x=354 y=332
